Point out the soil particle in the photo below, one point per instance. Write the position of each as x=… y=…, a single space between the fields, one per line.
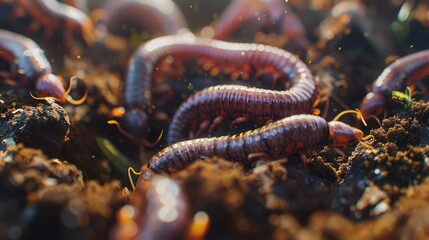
x=397 y=160
x=38 y=124
x=216 y=184
x=51 y=192
x=85 y=154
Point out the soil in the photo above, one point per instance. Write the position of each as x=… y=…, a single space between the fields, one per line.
x=64 y=167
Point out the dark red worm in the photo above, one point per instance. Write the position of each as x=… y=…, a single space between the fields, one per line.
x=277 y=139
x=397 y=76
x=28 y=66
x=162 y=16
x=184 y=47
x=275 y=14
x=54 y=16
x=258 y=105
x=79 y=4
x=158 y=209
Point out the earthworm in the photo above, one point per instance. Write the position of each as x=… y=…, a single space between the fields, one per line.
x=79 y=4
x=277 y=139
x=54 y=16
x=397 y=76
x=161 y=16
x=258 y=105
x=158 y=209
x=272 y=13
x=28 y=66
x=186 y=46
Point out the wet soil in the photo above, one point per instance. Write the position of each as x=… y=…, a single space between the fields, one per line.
x=57 y=181
x=382 y=193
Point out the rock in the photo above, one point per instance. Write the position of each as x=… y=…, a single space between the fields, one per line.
x=38 y=124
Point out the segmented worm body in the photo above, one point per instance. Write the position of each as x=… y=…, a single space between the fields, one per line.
x=249 y=101
x=54 y=16
x=273 y=14
x=161 y=16
x=258 y=105
x=396 y=77
x=28 y=66
x=280 y=138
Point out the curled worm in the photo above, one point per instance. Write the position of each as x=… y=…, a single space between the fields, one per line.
x=274 y=14
x=277 y=139
x=258 y=105
x=161 y=16
x=54 y=16
x=397 y=76
x=28 y=66
x=79 y=4
x=186 y=46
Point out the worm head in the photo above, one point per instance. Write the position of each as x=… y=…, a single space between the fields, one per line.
x=372 y=104
x=341 y=134
x=48 y=85
x=136 y=122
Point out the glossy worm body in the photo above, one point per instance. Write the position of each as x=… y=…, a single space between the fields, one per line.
x=161 y=16
x=183 y=47
x=79 y=4
x=28 y=66
x=54 y=16
x=257 y=105
x=273 y=14
x=277 y=139
x=396 y=77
